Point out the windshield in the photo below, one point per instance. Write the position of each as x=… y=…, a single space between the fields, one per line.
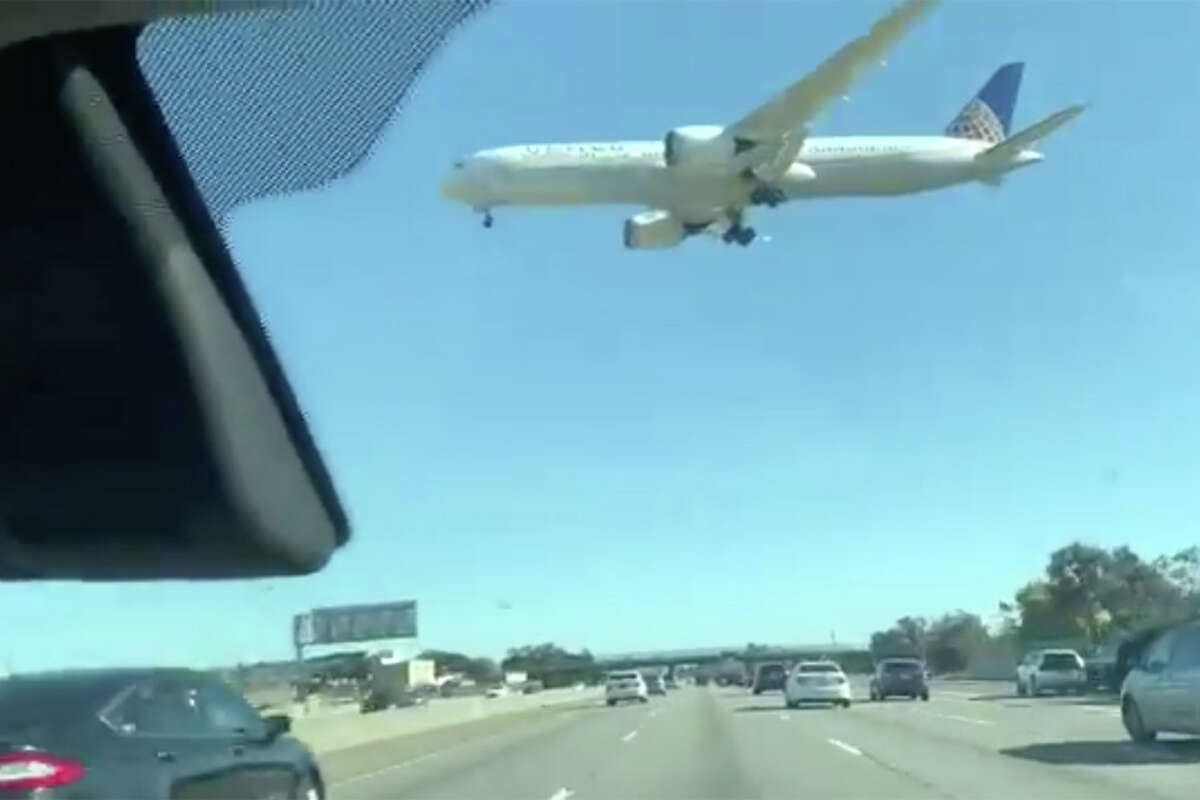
x=1060 y=661
x=674 y=337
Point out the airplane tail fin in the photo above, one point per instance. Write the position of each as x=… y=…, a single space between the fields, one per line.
x=1013 y=145
x=988 y=116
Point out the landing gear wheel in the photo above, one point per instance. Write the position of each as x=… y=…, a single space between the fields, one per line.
x=487 y=219
x=746 y=236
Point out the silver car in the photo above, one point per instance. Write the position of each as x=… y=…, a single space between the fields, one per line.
x=1162 y=690
x=1051 y=670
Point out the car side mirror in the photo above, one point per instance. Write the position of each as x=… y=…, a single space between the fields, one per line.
x=277 y=725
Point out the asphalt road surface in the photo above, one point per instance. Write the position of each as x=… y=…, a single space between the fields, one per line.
x=968 y=741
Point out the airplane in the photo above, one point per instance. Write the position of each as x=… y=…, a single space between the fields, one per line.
x=701 y=179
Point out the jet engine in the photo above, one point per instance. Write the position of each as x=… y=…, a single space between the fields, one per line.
x=653 y=230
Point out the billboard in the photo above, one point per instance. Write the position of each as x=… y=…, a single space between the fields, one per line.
x=356 y=623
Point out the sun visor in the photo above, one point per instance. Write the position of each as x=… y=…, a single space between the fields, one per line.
x=146 y=428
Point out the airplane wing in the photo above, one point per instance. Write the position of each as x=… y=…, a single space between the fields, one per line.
x=800 y=103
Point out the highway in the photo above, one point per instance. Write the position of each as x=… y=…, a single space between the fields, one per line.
x=969 y=740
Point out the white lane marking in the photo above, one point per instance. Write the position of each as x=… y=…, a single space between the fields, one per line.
x=395 y=767
x=1115 y=712
x=629 y=737
x=562 y=794
x=785 y=716
x=418 y=759
x=972 y=720
x=849 y=748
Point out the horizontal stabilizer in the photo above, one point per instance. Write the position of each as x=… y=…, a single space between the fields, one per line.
x=1014 y=144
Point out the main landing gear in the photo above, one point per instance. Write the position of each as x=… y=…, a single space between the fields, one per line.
x=487 y=219
x=766 y=196
x=741 y=234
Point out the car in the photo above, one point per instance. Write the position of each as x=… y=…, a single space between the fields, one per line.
x=532 y=687
x=625 y=685
x=669 y=682
x=379 y=698
x=654 y=683
x=1059 y=670
x=498 y=691
x=899 y=676
x=145 y=733
x=1101 y=667
x=816 y=682
x=768 y=678
x=1161 y=691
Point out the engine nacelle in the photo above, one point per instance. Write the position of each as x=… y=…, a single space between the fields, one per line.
x=698 y=145
x=653 y=230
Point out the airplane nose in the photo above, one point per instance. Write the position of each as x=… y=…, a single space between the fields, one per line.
x=454 y=185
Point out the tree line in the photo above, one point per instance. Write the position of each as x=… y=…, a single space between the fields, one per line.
x=1088 y=597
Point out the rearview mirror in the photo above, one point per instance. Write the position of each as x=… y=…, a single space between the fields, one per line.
x=148 y=430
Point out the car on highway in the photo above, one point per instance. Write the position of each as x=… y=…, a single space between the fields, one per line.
x=1161 y=692
x=654 y=683
x=1100 y=664
x=498 y=691
x=625 y=686
x=144 y=733
x=768 y=678
x=1059 y=670
x=816 y=682
x=899 y=676
x=670 y=683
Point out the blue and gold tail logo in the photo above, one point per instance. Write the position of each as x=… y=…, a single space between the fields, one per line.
x=988 y=116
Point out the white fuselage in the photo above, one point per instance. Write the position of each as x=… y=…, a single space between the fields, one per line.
x=635 y=173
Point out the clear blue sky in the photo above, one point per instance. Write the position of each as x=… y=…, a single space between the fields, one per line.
x=896 y=406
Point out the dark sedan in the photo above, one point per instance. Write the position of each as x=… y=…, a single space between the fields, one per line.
x=144 y=733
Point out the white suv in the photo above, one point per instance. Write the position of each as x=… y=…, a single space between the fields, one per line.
x=626 y=685
x=1051 y=670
